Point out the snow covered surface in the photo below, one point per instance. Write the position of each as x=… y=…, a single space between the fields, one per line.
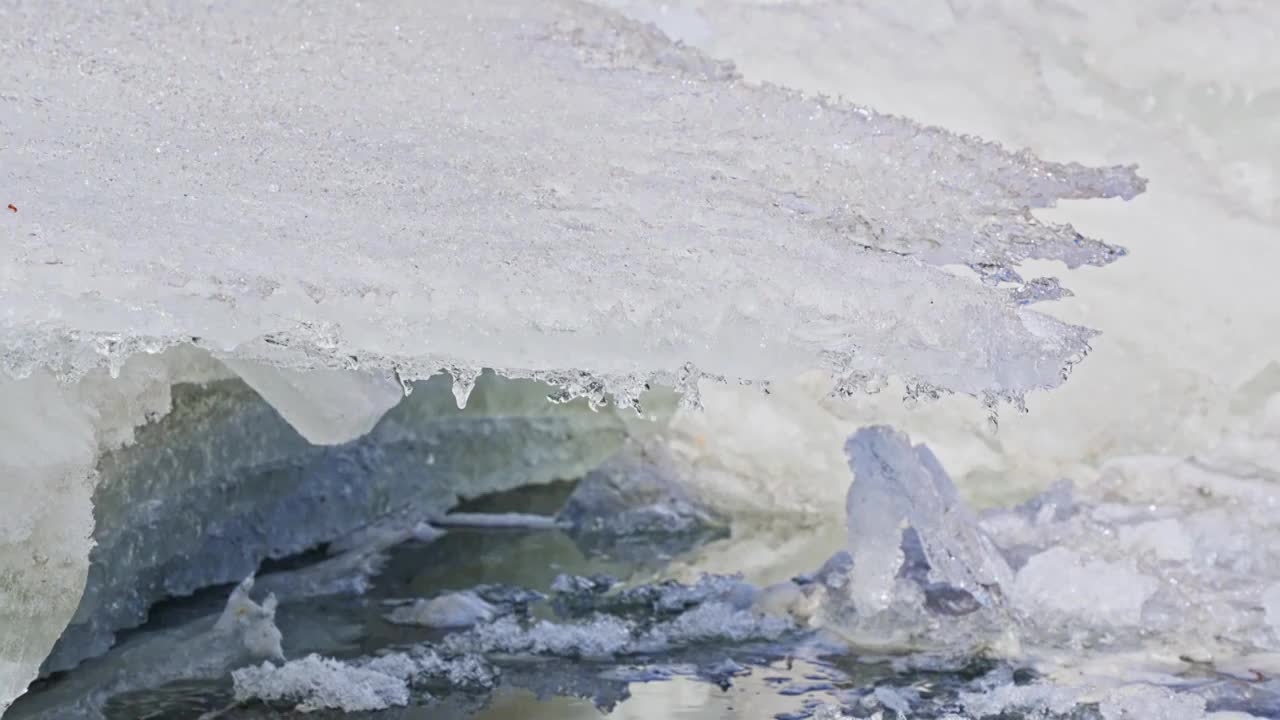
x=415 y=187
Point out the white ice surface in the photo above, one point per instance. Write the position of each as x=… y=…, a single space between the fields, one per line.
x=1189 y=90
x=536 y=188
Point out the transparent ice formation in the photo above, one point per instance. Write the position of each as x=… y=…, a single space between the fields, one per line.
x=920 y=571
x=271 y=222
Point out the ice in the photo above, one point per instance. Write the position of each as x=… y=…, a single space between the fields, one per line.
x=1060 y=586
x=1042 y=700
x=1271 y=605
x=893 y=700
x=208 y=648
x=186 y=503
x=577 y=596
x=829 y=712
x=600 y=637
x=604 y=622
x=718 y=621
x=1130 y=702
x=327 y=407
x=253 y=623
x=415 y=230
x=451 y=610
x=317 y=683
x=379 y=195
x=1159 y=555
x=1150 y=703
x=916 y=551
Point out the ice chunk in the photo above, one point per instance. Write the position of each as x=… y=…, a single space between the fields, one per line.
x=451 y=610
x=576 y=596
x=893 y=700
x=318 y=683
x=422 y=664
x=906 y=518
x=716 y=621
x=601 y=636
x=1044 y=699
x=1147 y=702
x=643 y=619
x=1061 y=583
x=916 y=553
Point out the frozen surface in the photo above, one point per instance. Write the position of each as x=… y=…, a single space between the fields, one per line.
x=1189 y=90
x=1139 y=595
x=422 y=187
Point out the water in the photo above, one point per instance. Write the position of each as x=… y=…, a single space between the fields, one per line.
x=787 y=678
x=767 y=681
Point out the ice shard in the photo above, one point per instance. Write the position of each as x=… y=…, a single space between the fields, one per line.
x=920 y=570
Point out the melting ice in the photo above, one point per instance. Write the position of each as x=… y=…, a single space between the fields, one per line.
x=250 y=239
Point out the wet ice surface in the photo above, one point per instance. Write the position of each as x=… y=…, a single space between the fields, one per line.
x=1150 y=593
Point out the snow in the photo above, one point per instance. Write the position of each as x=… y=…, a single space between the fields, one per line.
x=428 y=218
